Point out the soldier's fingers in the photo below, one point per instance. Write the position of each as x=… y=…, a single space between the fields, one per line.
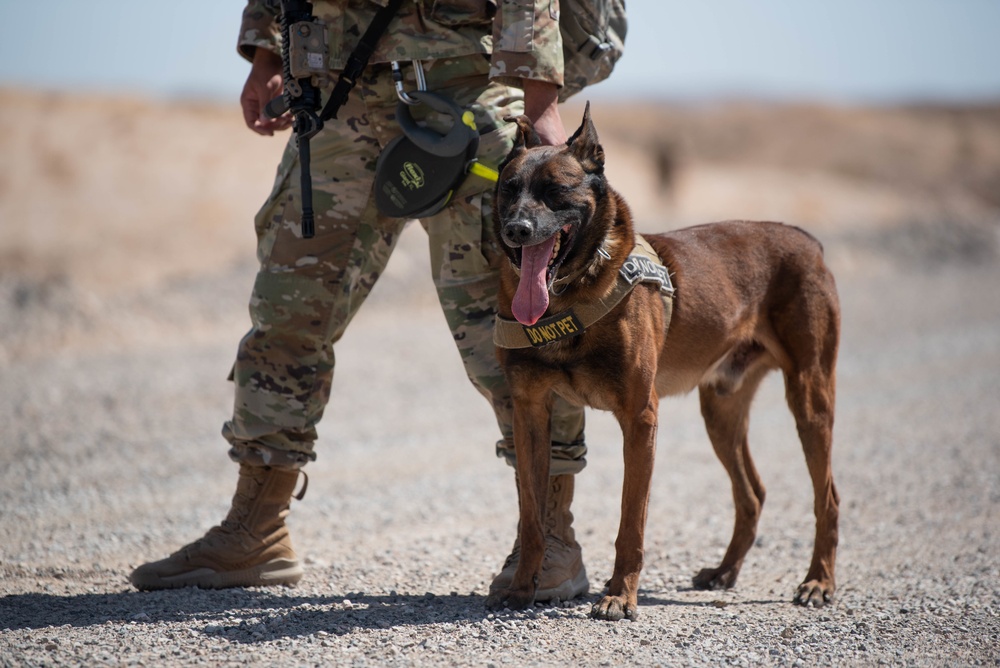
x=282 y=122
x=250 y=118
x=269 y=126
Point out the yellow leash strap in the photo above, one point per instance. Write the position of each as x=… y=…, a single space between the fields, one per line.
x=477 y=168
x=483 y=171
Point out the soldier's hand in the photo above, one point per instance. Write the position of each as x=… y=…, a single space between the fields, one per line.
x=541 y=105
x=263 y=84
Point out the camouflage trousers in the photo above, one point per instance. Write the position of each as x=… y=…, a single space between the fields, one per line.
x=307 y=290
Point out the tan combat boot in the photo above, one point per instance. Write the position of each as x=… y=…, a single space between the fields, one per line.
x=251 y=548
x=563 y=574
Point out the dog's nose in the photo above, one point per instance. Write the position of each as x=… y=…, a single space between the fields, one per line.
x=516 y=232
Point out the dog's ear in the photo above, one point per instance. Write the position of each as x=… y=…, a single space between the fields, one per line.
x=585 y=145
x=526 y=135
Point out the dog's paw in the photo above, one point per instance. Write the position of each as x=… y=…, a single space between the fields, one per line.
x=715 y=578
x=509 y=598
x=814 y=594
x=614 y=609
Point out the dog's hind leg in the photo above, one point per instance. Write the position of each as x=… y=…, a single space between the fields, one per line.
x=727 y=419
x=810 y=390
x=810 y=396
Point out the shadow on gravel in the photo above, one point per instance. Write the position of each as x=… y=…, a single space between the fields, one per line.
x=239 y=615
x=722 y=602
x=250 y=616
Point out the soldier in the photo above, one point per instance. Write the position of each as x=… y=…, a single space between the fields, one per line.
x=494 y=62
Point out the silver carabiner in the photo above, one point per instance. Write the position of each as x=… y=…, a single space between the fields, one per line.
x=397 y=77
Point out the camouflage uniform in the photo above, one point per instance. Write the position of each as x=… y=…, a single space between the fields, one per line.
x=308 y=290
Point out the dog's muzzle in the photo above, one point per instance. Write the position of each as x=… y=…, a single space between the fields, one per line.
x=518 y=232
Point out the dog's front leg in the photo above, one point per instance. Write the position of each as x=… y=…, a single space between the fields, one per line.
x=532 y=446
x=639 y=431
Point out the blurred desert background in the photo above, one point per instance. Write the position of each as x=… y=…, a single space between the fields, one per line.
x=106 y=200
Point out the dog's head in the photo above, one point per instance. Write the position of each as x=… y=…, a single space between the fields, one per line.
x=547 y=198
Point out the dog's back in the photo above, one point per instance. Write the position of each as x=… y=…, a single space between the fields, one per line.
x=720 y=270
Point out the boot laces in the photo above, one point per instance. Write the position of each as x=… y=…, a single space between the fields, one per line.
x=246 y=492
x=554 y=543
x=235 y=520
x=514 y=556
x=553 y=546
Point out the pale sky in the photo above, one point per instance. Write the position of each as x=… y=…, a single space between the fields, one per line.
x=843 y=50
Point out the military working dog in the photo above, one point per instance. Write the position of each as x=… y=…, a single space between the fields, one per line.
x=714 y=307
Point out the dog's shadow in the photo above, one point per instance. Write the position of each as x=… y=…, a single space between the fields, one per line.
x=648 y=598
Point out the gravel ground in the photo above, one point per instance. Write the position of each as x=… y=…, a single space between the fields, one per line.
x=110 y=407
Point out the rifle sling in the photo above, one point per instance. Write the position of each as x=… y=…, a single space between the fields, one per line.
x=358 y=60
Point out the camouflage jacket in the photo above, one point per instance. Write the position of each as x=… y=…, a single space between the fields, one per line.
x=522 y=36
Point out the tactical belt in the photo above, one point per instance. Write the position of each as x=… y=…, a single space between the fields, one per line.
x=643 y=265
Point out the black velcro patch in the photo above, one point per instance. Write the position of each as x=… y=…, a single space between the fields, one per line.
x=554 y=328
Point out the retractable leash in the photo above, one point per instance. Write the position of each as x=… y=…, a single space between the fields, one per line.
x=304 y=55
x=418 y=172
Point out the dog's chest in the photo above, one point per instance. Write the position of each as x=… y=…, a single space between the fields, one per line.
x=592 y=397
x=594 y=381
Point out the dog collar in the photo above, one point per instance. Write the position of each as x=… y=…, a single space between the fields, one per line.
x=643 y=265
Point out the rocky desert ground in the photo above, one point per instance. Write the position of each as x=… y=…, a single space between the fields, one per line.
x=125 y=265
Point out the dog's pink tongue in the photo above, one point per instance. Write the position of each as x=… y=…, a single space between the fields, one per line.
x=532 y=296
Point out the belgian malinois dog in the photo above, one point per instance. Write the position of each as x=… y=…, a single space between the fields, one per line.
x=749 y=297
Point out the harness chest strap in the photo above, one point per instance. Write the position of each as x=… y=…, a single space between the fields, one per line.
x=643 y=265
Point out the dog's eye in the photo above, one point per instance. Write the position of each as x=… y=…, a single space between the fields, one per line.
x=555 y=194
x=508 y=187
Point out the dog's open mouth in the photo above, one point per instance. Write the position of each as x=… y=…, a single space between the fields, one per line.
x=539 y=267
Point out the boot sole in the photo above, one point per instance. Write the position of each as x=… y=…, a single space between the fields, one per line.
x=578 y=585
x=269 y=574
